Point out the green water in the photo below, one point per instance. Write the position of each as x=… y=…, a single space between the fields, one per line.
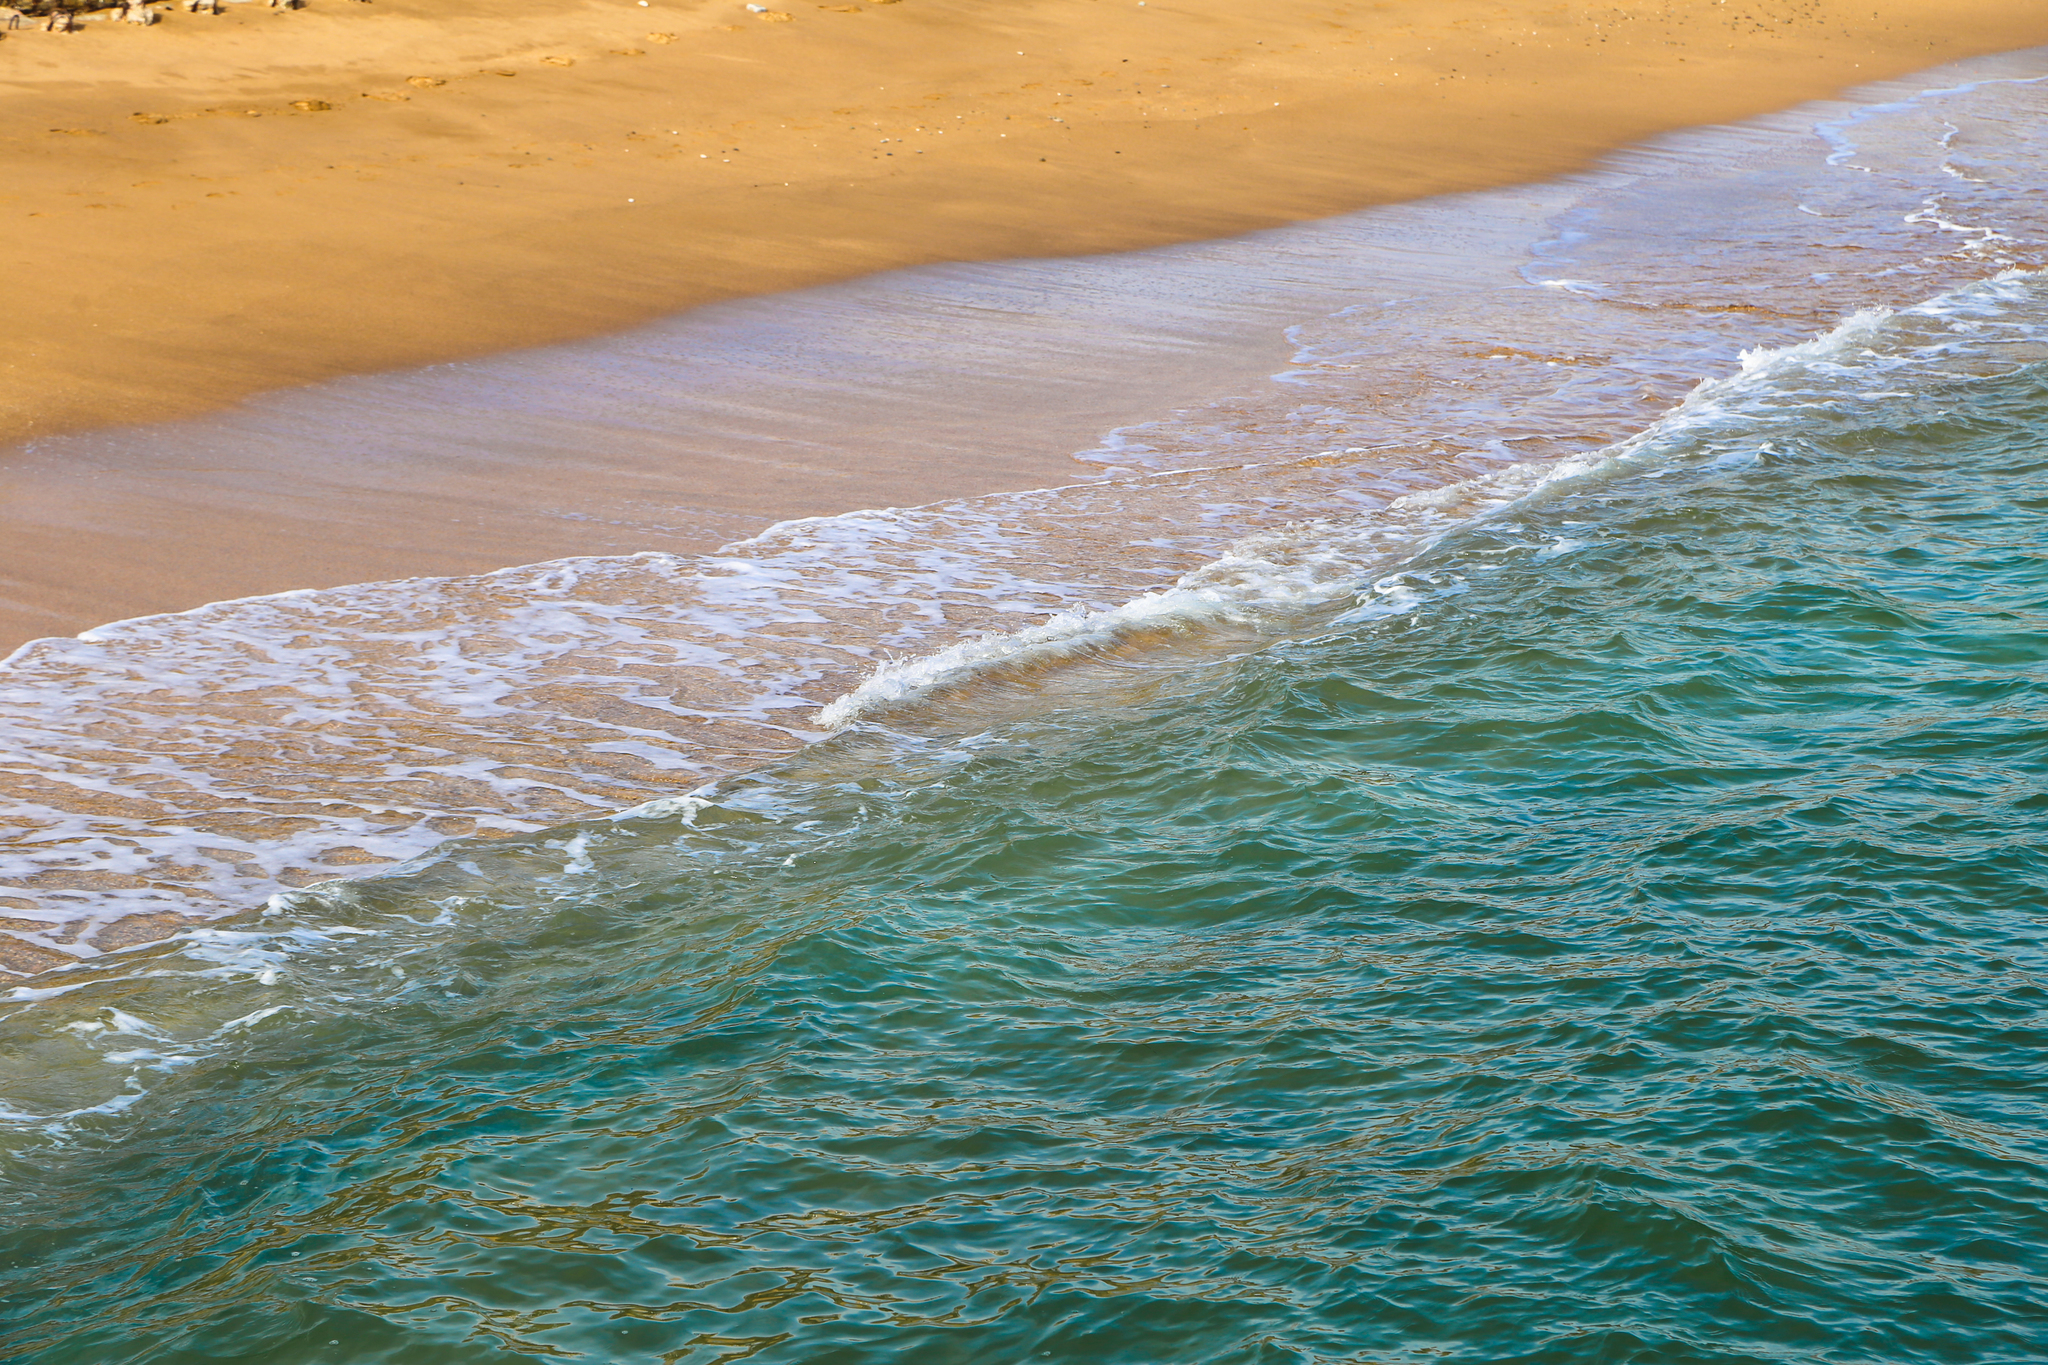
x=1620 y=938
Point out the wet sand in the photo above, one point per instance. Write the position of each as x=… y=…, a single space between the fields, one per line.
x=218 y=206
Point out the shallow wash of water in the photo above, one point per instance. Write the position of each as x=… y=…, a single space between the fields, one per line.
x=1610 y=933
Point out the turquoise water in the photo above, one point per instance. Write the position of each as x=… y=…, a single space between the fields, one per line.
x=1614 y=936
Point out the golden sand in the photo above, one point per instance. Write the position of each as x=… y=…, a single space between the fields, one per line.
x=218 y=205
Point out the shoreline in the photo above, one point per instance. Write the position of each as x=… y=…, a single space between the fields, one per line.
x=266 y=199
x=178 y=768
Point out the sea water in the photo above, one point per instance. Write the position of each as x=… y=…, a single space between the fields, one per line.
x=1613 y=935
x=1574 y=898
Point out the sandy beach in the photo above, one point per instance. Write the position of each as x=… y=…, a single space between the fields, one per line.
x=216 y=206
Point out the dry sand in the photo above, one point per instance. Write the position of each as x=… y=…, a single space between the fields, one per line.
x=215 y=206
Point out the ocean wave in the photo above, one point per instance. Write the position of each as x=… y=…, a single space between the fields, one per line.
x=1268 y=585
